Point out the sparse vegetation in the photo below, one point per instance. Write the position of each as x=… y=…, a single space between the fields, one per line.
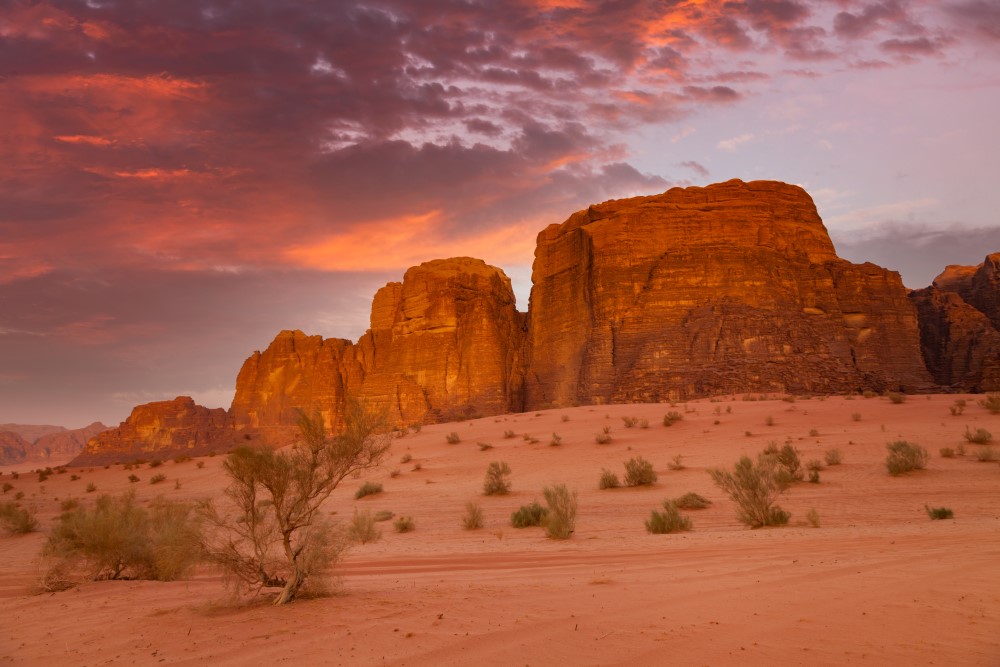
x=91 y=487
x=483 y=446
x=675 y=463
x=453 y=438
x=958 y=407
x=814 y=476
x=813 y=433
x=609 y=480
x=814 y=464
x=639 y=472
x=368 y=489
x=509 y=434
x=905 y=457
x=692 y=501
x=644 y=423
x=769 y=421
x=404 y=524
x=789 y=468
x=155 y=463
x=473 y=517
x=986 y=455
x=947 y=453
x=7 y=486
x=560 y=517
x=277 y=537
x=672 y=418
x=17 y=520
x=938 y=513
x=362 y=529
x=979 y=437
x=833 y=457
x=812 y=517
x=630 y=421
x=556 y=440
x=991 y=403
x=754 y=487
x=384 y=515
x=670 y=520
x=69 y=504
x=603 y=438
x=856 y=416
x=406 y=458
x=497 y=482
x=156 y=479
x=528 y=515
x=896 y=397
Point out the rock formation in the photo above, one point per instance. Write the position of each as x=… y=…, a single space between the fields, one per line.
x=730 y=288
x=43 y=444
x=960 y=326
x=13 y=448
x=159 y=430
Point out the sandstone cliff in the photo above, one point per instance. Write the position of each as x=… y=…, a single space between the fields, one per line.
x=160 y=430
x=53 y=445
x=960 y=326
x=730 y=288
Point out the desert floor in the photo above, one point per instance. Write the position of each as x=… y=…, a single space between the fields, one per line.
x=878 y=583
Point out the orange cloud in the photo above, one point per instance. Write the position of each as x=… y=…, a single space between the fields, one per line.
x=84 y=139
x=155 y=174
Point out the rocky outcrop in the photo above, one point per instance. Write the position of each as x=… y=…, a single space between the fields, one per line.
x=445 y=341
x=13 y=448
x=730 y=288
x=44 y=444
x=159 y=430
x=960 y=326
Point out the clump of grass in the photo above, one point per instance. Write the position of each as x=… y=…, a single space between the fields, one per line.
x=602 y=438
x=91 y=487
x=813 y=433
x=692 y=501
x=814 y=476
x=947 y=453
x=643 y=423
x=509 y=434
x=905 y=457
x=675 y=463
x=497 y=481
x=7 y=486
x=565 y=418
x=896 y=397
x=958 y=407
x=199 y=464
x=452 y=438
x=394 y=473
x=155 y=463
x=814 y=464
x=384 y=515
x=856 y=416
x=937 y=513
x=156 y=479
x=991 y=403
x=769 y=421
x=986 y=455
x=473 y=517
x=755 y=487
x=556 y=440
x=73 y=478
x=560 y=516
x=182 y=458
x=528 y=515
x=639 y=472
x=630 y=421
x=670 y=520
x=483 y=446
x=404 y=524
x=672 y=418
x=69 y=504
x=833 y=457
x=609 y=480
x=979 y=437
x=368 y=489
x=812 y=516
x=362 y=529
x=406 y=458
x=17 y=520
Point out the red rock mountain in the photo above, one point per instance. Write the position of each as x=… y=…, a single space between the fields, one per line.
x=734 y=287
x=960 y=326
x=42 y=443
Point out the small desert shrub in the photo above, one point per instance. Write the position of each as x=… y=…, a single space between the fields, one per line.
x=452 y=438
x=905 y=457
x=556 y=440
x=17 y=520
x=406 y=458
x=483 y=446
x=384 y=515
x=833 y=457
x=368 y=489
x=416 y=427
x=394 y=473
x=155 y=463
x=991 y=403
x=69 y=504
x=528 y=515
x=814 y=464
x=814 y=476
x=639 y=472
x=417 y=466
x=91 y=487
x=643 y=423
x=670 y=520
x=497 y=482
x=15 y=475
x=958 y=407
x=789 y=468
x=947 y=453
x=7 y=486
x=896 y=398
x=813 y=433
x=362 y=528
x=73 y=478
x=672 y=418
x=119 y=539
x=868 y=393
x=602 y=438
x=43 y=475
x=473 y=517
x=607 y=429
x=565 y=418
x=960 y=450
x=675 y=463
x=936 y=513
x=754 y=487
x=509 y=434
x=856 y=416
x=769 y=421
x=986 y=455
x=156 y=479
x=560 y=518
x=200 y=464
x=812 y=516
x=630 y=421
x=19 y=495
x=692 y=501
x=404 y=524
x=183 y=458
x=609 y=480
x=980 y=436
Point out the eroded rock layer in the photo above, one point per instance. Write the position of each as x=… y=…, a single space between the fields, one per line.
x=730 y=288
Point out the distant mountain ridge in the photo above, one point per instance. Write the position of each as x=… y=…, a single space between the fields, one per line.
x=37 y=443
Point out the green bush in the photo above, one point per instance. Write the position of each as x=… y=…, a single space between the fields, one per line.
x=754 y=487
x=497 y=482
x=692 y=501
x=368 y=489
x=560 y=517
x=473 y=517
x=17 y=520
x=670 y=520
x=609 y=480
x=528 y=515
x=639 y=472
x=404 y=524
x=980 y=436
x=905 y=457
x=936 y=513
x=672 y=418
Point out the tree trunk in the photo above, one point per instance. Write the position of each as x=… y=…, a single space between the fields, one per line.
x=291 y=588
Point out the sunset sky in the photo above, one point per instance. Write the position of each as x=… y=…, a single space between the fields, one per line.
x=181 y=180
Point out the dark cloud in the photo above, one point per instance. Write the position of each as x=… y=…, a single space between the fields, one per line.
x=868 y=20
x=696 y=167
x=980 y=17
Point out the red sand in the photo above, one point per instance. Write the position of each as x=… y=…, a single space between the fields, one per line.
x=878 y=583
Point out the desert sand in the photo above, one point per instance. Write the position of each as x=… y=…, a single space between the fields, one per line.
x=878 y=583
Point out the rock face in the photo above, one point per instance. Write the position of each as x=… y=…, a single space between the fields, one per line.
x=13 y=448
x=730 y=288
x=159 y=430
x=445 y=341
x=43 y=444
x=960 y=326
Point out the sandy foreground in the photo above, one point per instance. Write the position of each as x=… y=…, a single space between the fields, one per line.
x=878 y=583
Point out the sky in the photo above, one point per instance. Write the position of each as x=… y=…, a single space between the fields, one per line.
x=181 y=180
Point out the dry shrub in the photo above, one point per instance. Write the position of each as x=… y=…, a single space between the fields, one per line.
x=528 y=515
x=639 y=472
x=692 y=501
x=404 y=524
x=560 y=519
x=672 y=418
x=497 y=482
x=905 y=457
x=17 y=520
x=833 y=457
x=473 y=517
x=991 y=403
x=937 y=513
x=368 y=489
x=754 y=487
x=362 y=529
x=979 y=437
x=609 y=480
x=670 y=520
